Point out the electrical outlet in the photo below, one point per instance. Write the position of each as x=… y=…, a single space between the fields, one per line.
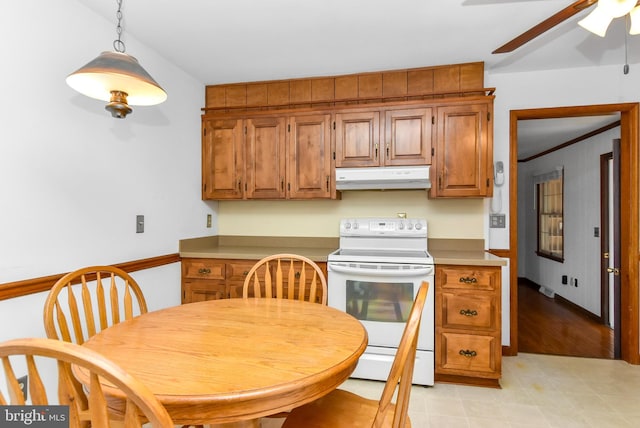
x=208 y=220
x=564 y=279
x=24 y=386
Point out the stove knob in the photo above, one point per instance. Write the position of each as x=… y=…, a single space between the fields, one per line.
x=355 y=225
x=418 y=226
x=401 y=226
x=347 y=225
x=410 y=226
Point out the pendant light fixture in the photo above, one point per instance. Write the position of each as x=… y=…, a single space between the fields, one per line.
x=117 y=78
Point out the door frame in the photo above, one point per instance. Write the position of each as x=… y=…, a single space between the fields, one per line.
x=629 y=224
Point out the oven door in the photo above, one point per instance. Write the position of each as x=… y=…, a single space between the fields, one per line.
x=380 y=295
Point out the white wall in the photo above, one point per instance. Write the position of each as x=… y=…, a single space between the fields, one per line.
x=72 y=178
x=581 y=164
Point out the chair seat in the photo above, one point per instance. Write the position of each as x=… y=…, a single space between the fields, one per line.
x=338 y=409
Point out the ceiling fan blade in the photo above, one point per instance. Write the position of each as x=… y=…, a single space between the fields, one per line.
x=545 y=25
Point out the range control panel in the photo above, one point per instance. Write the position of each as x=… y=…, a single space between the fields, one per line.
x=409 y=227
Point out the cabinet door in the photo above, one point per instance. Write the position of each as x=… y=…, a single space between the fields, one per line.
x=266 y=158
x=309 y=146
x=464 y=152
x=358 y=139
x=408 y=135
x=222 y=159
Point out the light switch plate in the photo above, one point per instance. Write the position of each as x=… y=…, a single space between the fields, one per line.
x=139 y=224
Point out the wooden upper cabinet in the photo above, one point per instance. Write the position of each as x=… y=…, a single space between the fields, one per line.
x=384 y=137
x=358 y=139
x=309 y=172
x=408 y=135
x=266 y=157
x=222 y=159
x=464 y=151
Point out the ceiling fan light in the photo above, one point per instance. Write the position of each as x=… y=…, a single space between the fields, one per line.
x=635 y=21
x=597 y=21
x=616 y=8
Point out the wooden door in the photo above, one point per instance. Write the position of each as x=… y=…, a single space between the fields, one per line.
x=408 y=136
x=266 y=158
x=309 y=146
x=222 y=158
x=464 y=151
x=358 y=139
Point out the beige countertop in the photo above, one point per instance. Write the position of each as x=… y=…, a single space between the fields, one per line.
x=257 y=247
x=469 y=258
x=444 y=251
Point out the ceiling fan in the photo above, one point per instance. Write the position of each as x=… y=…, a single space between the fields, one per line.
x=597 y=21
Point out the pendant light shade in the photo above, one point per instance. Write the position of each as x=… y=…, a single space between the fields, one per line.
x=117 y=78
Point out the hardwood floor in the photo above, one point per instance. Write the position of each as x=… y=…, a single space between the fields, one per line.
x=548 y=326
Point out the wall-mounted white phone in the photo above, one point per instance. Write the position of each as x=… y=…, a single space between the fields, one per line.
x=499 y=174
x=498 y=181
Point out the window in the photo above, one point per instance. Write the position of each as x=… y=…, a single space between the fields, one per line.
x=549 y=200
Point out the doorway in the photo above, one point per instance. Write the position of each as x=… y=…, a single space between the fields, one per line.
x=629 y=241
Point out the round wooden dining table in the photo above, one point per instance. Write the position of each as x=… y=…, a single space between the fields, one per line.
x=229 y=362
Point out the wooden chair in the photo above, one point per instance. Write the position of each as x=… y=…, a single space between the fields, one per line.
x=91 y=409
x=344 y=409
x=285 y=276
x=107 y=295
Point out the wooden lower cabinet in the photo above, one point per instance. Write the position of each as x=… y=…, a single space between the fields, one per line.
x=211 y=279
x=468 y=344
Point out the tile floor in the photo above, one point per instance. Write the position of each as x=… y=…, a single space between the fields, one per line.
x=537 y=391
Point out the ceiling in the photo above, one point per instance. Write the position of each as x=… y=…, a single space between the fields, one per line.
x=536 y=136
x=224 y=41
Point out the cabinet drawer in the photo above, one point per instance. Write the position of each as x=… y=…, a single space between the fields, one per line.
x=466 y=310
x=237 y=270
x=199 y=291
x=460 y=353
x=469 y=277
x=203 y=269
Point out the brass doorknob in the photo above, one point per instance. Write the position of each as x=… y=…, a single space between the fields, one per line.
x=614 y=271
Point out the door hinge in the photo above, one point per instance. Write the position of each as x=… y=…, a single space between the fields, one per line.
x=605 y=255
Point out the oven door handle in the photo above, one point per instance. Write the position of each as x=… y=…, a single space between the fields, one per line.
x=428 y=270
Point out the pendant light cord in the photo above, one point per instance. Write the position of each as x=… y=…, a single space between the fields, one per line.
x=118 y=44
x=625 y=69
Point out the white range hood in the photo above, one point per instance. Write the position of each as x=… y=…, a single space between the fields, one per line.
x=382 y=178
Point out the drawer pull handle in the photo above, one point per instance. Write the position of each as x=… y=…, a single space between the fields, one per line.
x=467 y=353
x=468 y=280
x=468 y=312
x=204 y=270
